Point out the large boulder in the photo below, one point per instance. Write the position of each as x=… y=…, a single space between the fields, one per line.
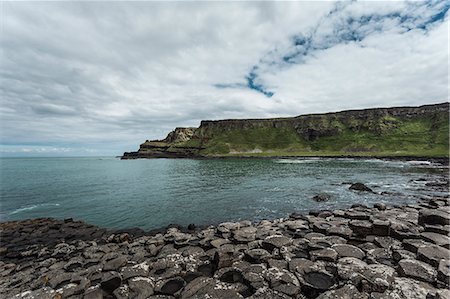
x=434 y=216
x=322 y=197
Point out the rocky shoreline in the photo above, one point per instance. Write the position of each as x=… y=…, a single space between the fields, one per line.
x=361 y=252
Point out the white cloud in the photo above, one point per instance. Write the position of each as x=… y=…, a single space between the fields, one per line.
x=110 y=75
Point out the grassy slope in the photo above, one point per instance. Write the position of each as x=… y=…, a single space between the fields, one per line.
x=398 y=137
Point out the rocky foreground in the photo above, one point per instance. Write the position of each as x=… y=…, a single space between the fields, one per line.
x=362 y=252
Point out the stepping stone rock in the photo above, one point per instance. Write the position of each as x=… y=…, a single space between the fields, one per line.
x=346 y=250
x=319 y=280
x=443 y=274
x=361 y=227
x=413 y=245
x=437 y=239
x=341 y=231
x=115 y=264
x=434 y=216
x=326 y=254
x=245 y=234
x=257 y=256
x=417 y=270
x=294 y=225
x=348 y=266
x=346 y=292
x=432 y=254
x=276 y=241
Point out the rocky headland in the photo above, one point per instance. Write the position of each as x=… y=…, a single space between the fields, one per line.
x=360 y=252
x=379 y=132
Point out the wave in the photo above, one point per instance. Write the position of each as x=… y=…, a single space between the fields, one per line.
x=32 y=207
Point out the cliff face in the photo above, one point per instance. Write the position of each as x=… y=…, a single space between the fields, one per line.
x=400 y=131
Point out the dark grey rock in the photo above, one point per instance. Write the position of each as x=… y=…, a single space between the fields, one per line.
x=436 y=238
x=360 y=187
x=275 y=241
x=346 y=250
x=110 y=282
x=443 y=274
x=417 y=270
x=361 y=227
x=432 y=254
x=434 y=216
x=322 y=197
x=171 y=286
x=257 y=256
x=141 y=287
x=346 y=292
x=326 y=254
x=245 y=234
x=115 y=264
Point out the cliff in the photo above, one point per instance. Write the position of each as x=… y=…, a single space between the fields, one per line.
x=397 y=131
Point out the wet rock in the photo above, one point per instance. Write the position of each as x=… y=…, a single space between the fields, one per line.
x=346 y=250
x=322 y=197
x=417 y=270
x=380 y=206
x=360 y=187
x=432 y=254
x=110 y=282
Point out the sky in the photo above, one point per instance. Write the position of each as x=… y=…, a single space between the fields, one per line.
x=96 y=78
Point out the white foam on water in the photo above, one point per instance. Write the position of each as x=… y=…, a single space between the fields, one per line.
x=32 y=207
x=297 y=161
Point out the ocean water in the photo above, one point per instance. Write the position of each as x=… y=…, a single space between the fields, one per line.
x=150 y=194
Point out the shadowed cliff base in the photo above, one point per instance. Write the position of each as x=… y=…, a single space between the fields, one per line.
x=381 y=132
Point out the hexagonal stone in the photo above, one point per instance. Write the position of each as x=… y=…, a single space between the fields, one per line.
x=257 y=256
x=405 y=288
x=110 y=282
x=342 y=231
x=361 y=227
x=346 y=250
x=171 y=286
x=275 y=241
x=436 y=238
x=245 y=234
x=413 y=245
x=326 y=254
x=417 y=270
x=434 y=216
x=348 y=266
x=432 y=254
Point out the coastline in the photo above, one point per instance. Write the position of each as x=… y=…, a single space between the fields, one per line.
x=359 y=252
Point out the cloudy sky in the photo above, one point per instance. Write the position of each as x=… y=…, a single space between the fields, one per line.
x=100 y=78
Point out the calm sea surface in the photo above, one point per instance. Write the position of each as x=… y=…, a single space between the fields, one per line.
x=151 y=194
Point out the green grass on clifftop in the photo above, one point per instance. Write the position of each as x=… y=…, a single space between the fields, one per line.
x=389 y=136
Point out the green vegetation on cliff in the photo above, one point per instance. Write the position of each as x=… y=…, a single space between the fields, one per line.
x=403 y=131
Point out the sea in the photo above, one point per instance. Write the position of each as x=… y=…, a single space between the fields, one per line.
x=154 y=193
